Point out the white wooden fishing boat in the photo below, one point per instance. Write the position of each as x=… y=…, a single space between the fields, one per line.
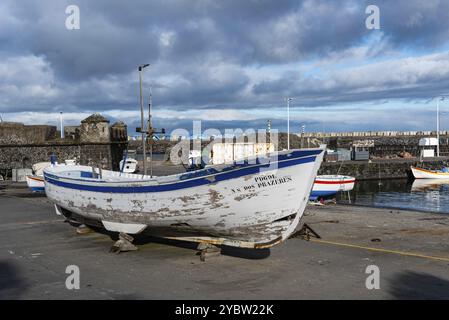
x=255 y=204
x=35 y=183
x=420 y=173
x=329 y=185
x=38 y=168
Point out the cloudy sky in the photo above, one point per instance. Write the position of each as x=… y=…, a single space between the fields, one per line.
x=228 y=63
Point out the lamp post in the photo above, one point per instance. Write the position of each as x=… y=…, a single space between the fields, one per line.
x=303 y=131
x=141 y=67
x=438 y=127
x=439 y=98
x=288 y=121
x=61 y=125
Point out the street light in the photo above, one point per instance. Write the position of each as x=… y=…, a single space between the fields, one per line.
x=141 y=67
x=438 y=124
x=439 y=98
x=61 y=125
x=303 y=131
x=288 y=121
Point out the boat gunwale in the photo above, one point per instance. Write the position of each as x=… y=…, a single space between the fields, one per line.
x=35 y=178
x=232 y=168
x=334 y=182
x=430 y=171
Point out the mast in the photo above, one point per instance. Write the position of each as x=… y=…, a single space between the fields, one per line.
x=142 y=128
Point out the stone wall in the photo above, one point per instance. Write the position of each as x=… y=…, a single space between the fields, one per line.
x=364 y=170
x=93 y=142
x=386 y=147
x=24 y=156
x=14 y=133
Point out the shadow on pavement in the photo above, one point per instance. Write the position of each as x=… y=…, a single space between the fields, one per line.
x=11 y=284
x=414 y=285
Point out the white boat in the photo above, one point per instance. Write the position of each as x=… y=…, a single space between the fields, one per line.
x=38 y=168
x=420 y=173
x=130 y=166
x=254 y=204
x=35 y=183
x=329 y=185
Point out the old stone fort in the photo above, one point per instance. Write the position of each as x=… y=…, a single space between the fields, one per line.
x=94 y=142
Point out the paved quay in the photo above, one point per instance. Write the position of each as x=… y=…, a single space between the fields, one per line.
x=411 y=250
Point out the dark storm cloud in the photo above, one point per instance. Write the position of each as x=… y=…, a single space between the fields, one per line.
x=115 y=35
x=200 y=52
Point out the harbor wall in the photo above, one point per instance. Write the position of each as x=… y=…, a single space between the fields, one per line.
x=381 y=144
x=94 y=142
x=386 y=169
x=108 y=155
x=15 y=133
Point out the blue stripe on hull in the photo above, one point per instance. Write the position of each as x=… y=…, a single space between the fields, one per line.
x=220 y=176
x=321 y=194
x=37 y=189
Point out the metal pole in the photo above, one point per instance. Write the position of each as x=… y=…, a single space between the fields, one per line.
x=438 y=127
x=288 y=124
x=61 y=126
x=303 y=130
x=150 y=126
x=142 y=125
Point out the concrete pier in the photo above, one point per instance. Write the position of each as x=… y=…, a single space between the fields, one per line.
x=409 y=248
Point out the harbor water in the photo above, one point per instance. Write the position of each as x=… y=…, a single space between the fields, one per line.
x=427 y=195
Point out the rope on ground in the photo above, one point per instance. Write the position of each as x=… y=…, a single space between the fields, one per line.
x=402 y=253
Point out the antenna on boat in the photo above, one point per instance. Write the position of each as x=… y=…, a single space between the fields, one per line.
x=150 y=126
x=151 y=131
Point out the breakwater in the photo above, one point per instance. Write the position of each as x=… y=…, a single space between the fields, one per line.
x=381 y=169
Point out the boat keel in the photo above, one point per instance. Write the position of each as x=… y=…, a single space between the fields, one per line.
x=128 y=228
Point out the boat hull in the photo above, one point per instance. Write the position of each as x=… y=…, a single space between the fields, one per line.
x=327 y=186
x=35 y=183
x=420 y=173
x=249 y=205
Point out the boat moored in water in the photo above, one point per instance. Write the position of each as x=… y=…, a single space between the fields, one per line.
x=255 y=203
x=329 y=185
x=420 y=173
